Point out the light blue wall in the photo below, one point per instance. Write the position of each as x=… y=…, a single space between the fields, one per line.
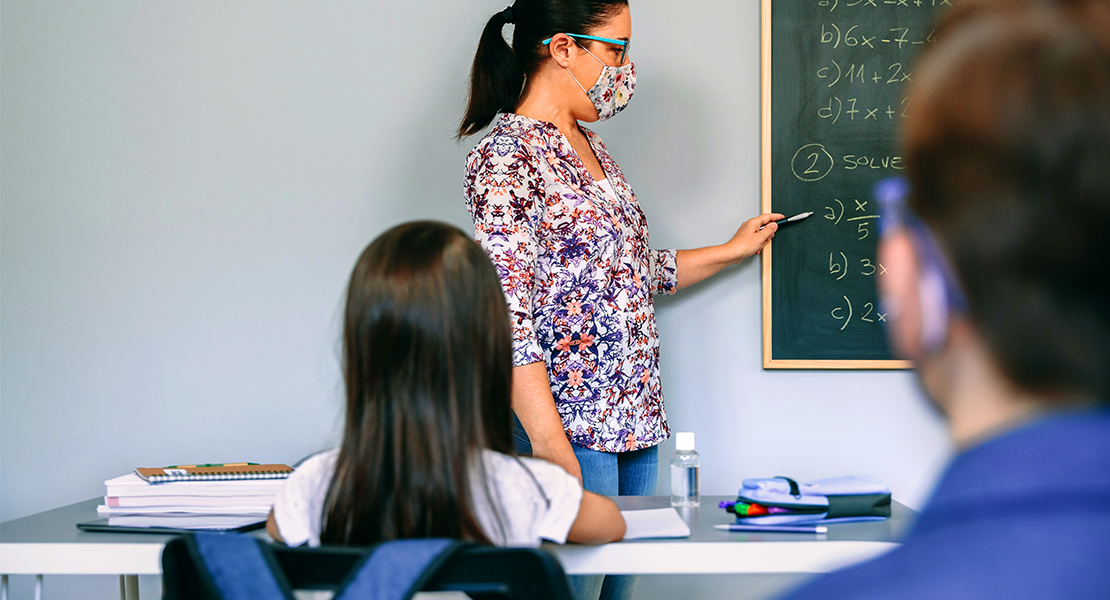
x=185 y=186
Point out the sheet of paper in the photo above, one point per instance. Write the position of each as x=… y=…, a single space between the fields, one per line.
x=654 y=523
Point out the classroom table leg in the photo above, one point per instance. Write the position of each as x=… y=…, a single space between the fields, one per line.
x=129 y=586
x=38 y=587
x=3 y=587
x=122 y=588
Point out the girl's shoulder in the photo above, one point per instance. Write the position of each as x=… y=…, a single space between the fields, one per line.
x=299 y=504
x=312 y=472
x=322 y=460
x=538 y=500
x=527 y=473
x=498 y=460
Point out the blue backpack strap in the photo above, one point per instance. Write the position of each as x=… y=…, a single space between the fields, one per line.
x=240 y=568
x=396 y=570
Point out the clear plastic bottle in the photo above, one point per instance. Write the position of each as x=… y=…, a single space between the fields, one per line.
x=684 y=471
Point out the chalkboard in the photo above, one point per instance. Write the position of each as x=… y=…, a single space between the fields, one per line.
x=834 y=83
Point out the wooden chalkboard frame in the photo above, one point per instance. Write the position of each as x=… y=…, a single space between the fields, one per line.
x=765 y=149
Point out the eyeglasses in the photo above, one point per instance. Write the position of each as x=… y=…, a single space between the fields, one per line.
x=624 y=44
x=935 y=271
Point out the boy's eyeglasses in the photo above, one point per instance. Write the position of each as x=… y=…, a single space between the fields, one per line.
x=936 y=272
x=624 y=44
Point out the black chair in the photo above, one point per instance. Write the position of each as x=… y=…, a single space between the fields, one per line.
x=482 y=573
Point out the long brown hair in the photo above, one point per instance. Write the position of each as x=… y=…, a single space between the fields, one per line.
x=427 y=362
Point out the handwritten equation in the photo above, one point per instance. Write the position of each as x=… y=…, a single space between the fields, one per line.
x=841 y=266
x=844 y=312
x=833 y=4
x=898 y=36
x=893 y=73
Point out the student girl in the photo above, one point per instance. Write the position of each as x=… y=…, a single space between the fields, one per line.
x=558 y=218
x=427 y=445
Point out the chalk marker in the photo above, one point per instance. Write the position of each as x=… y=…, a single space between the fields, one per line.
x=794 y=219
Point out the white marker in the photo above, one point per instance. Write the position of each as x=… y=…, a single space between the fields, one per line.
x=794 y=219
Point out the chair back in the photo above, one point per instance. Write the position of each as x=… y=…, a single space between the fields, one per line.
x=195 y=566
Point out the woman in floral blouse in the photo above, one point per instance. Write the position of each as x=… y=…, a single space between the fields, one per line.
x=570 y=242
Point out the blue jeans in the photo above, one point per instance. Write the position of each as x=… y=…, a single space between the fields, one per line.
x=609 y=474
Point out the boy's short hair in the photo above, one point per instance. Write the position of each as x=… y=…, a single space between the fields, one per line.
x=1009 y=157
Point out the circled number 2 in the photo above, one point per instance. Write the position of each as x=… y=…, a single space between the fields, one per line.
x=811 y=162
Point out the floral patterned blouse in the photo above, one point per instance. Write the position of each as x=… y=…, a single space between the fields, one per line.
x=579 y=278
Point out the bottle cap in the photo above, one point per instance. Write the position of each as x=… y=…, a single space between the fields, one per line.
x=684 y=440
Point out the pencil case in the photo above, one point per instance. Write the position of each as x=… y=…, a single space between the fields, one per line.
x=831 y=500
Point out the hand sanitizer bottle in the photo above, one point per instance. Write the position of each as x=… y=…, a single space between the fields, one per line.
x=684 y=472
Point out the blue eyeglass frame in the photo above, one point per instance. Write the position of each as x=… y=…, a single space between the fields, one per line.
x=624 y=44
x=895 y=213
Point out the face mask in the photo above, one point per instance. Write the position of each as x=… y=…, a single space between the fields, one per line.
x=613 y=89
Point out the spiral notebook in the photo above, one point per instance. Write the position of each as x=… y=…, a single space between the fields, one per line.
x=213 y=472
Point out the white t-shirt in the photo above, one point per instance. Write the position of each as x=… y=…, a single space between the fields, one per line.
x=607 y=187
x=537 y=500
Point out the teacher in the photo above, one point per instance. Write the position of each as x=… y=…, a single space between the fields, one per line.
x=570 y=242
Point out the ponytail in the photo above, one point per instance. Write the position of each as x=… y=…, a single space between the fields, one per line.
x=496 y=79
x=498 y=74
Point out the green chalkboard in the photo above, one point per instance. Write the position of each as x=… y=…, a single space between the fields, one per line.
x=834 y=94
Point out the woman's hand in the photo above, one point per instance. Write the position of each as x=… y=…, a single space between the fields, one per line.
x=701 y=263
x=752 y=236
x=560 y=454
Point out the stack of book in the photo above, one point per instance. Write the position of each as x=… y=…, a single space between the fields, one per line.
x=224 y=496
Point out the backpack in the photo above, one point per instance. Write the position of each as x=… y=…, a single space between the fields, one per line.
x=235 y=566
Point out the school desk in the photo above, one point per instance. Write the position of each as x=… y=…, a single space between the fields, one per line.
x=49 y=543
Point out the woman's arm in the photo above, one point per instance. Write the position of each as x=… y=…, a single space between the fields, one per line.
x=534 y=405
x=599 y=521
x=703 y=263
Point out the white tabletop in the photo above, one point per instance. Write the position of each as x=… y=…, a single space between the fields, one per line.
x=710 y=550
x=49 y=543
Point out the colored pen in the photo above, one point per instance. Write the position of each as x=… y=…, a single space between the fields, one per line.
x=775 y=528
x=210 y=465
x=796 y=218
x=744 y=509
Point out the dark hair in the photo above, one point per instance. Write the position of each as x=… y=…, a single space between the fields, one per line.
x=498 y=74
x=427 y=355
x=1008 y=150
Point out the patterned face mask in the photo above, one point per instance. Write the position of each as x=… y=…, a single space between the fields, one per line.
x=613 y=89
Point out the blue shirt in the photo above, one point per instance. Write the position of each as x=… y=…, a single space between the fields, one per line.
x=1022 y=515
